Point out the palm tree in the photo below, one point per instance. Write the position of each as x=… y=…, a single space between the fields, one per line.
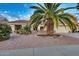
x=52 y=16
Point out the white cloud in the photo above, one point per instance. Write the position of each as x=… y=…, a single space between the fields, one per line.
x=21 y=17
x=24 y=17
x=10 y=18
x=28 y=15
x=4 y=15
x=5 y=11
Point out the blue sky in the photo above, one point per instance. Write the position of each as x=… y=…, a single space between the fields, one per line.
x=15 y=11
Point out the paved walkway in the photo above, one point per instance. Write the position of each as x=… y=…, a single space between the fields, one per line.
x=75 y=35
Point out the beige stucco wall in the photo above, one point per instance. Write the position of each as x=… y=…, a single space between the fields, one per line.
x=13 y=25
x=60 y=29
x=13 y=28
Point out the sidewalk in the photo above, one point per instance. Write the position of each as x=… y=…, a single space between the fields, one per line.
x=65 y=50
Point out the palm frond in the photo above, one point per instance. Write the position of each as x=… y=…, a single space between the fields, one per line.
x=35 y=18
x=35 y=7
x=48 y=5
x=36 y=24
x=59 y=10
x=72 y=17
x=62 y=22
x=68 y=22
x=38 y=11
x=42 y=7
x=77 y=7
x=56 y=5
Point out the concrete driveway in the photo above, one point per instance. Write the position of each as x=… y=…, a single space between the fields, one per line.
x=17 y=47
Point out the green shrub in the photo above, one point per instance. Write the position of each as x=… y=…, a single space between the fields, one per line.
x=5 y=31
x=25 y=30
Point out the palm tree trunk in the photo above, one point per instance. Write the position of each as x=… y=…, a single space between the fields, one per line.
x=50 y=26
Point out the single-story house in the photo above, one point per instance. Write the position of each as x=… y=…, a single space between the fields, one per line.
x=15 y=25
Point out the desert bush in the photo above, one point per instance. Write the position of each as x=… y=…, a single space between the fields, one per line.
x=5 y=31
x=25 y=30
